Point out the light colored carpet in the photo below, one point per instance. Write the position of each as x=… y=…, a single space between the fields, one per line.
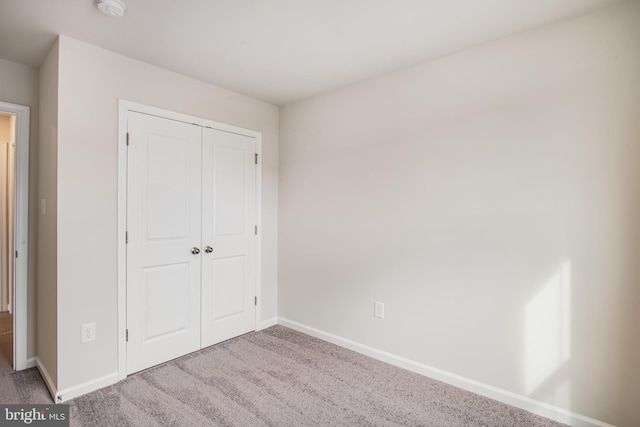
x=279 y=377
x=17 y=387
x=276 y=377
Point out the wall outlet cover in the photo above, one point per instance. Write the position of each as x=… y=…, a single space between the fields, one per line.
x=88 y=333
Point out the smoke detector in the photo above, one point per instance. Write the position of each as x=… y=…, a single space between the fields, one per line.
x=112 y=7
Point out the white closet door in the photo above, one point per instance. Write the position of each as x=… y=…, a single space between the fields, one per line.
x=228 y=235
x=163 y=222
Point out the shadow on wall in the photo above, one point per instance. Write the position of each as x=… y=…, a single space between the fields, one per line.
x=548 y=340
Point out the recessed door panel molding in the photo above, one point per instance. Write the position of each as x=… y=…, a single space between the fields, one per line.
x=163 y=276
x=166 y=298
x=166 y=180
x=229 y=188
x=229 y=292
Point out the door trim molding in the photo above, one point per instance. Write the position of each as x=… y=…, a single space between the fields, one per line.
x=124 y=107
x=21 y=232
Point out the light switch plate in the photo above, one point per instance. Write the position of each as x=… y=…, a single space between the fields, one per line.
x=378 y=309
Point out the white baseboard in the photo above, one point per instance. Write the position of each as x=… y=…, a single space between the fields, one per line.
x=47 y=378
x=32 y=362
x=504 y=396
x=268 y=323
x=88 y=387
x=60 y=396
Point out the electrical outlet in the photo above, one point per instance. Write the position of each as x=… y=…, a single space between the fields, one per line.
x=88 y=332
x=378 y=310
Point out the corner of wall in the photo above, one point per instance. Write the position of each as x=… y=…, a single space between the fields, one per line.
x=47 y=314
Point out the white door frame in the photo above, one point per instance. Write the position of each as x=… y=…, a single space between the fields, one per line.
x=123 y=111
x=21 y=232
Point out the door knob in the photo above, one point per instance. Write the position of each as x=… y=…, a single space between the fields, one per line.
x=195 y=251
x=208 y=249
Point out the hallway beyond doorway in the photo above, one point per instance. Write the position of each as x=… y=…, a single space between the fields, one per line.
x=6 y=342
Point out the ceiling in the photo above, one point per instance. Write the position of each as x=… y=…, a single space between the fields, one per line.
x=278 y=51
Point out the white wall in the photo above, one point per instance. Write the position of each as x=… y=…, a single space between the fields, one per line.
x=19 y=85
x=491 y=200
x=47 y=224
x=91 y=82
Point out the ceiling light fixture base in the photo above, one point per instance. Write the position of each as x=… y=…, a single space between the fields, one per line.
x=112 y=7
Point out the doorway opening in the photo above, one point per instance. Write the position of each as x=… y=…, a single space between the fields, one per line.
x=7 y=199
x=14 y=184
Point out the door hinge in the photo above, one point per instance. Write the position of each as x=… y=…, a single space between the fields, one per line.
x=126 y=237
x=127 y=138
x=16 y=254
x=255 y=230
x=127 y=335
x=256 y=158
x=255 y=300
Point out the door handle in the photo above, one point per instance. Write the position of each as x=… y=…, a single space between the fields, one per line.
x=195 y=251
x=208 y=249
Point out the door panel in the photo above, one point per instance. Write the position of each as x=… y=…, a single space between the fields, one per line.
x=228 y=221
x=167 y=189
x=166 y=295
x=230 y=216
x=229 y=292
x=164 y=223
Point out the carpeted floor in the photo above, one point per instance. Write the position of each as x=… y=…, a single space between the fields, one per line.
x=280 y=377
x=17 y=387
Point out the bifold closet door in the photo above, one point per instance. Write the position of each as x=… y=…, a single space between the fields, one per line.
x=228 y=235
x=164 y=233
